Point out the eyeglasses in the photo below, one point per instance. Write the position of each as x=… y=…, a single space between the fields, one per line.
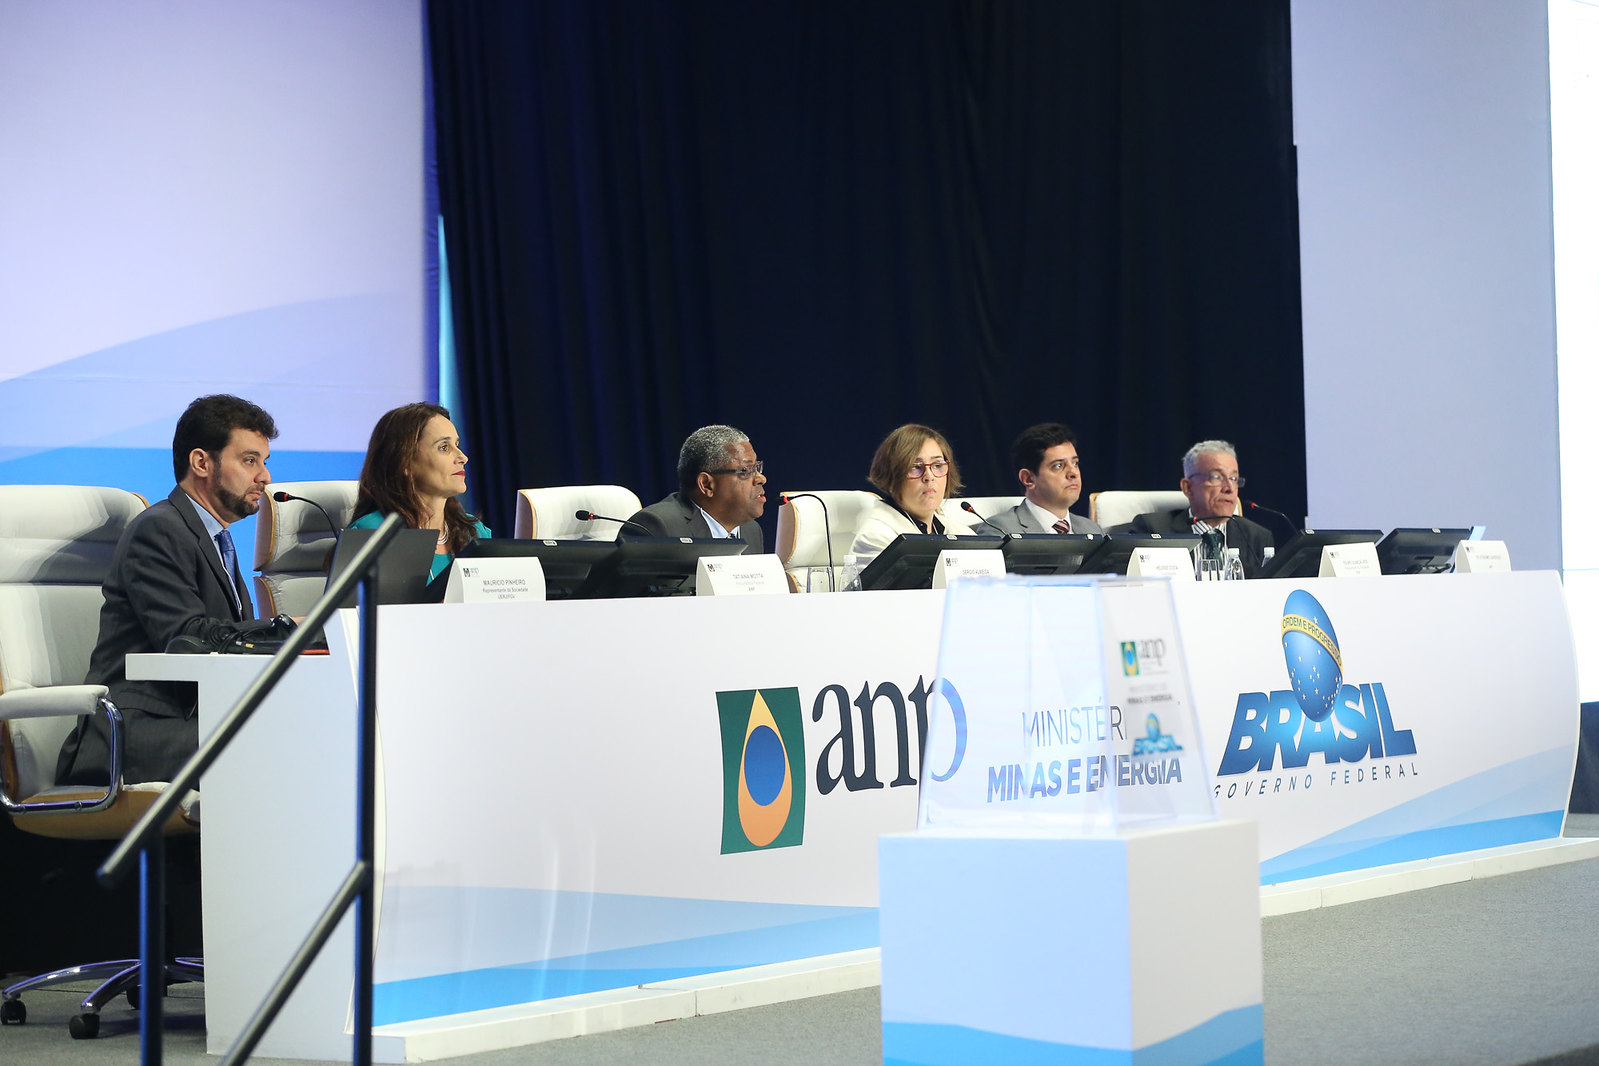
x=1216 y=477
x=744 y=472
x=919 y=469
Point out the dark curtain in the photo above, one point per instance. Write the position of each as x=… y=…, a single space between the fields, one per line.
x=818 y=220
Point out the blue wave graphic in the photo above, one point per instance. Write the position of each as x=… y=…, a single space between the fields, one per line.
x=828 y=931
x=1516 y=803
x=304 y=362
x=1234 y=1038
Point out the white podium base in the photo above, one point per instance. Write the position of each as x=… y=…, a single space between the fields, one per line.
x=1143 y=946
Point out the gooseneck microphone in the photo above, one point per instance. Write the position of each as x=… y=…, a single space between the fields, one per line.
x=968 y=507
x=285 y=497
x=827 y=531
x=1251 y=505
x=590 y=516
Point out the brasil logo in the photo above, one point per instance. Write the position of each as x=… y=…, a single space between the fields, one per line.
x=763 y=799
x=1310 y=649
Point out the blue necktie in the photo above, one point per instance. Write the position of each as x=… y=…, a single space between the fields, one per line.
x=230 y=563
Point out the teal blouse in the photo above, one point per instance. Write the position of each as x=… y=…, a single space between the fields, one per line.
x=371 y=520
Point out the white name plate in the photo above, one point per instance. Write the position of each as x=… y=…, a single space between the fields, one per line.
x=1161 y=562
x=739 y=575
x=957 y=565
x=488 y=580
x=1349 y=560
x=1482 y=557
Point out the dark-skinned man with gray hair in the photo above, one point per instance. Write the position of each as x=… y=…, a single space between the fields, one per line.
x=721 y=490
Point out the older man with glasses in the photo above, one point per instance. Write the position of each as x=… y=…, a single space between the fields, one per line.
x=1212 y=483
x=721 y=490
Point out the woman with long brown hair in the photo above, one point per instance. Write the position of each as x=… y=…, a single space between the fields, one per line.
x=415 y=468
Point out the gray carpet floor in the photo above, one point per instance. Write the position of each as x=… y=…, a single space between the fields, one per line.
x=1503 y=970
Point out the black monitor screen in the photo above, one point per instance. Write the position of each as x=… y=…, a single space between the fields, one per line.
x=656 y=566
x=1116 y=549
x=1419 y=551
x=1043 y=554
x=908 y=561
x=1301 y=557
x=403 y=568
x=567 y=564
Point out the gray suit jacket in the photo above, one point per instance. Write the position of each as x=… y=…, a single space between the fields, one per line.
x=1020 y=519
x=166 y=580
x=677 y=516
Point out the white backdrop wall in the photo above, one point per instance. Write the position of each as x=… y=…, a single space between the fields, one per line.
x=1426 y=253
x=199 y=197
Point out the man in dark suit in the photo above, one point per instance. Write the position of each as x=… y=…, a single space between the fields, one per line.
x=1211 y=483
x=1046 y=462
x=175 y=572
x=721 y=491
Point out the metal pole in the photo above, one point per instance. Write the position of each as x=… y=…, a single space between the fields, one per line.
x=366 y=817
x=152 y=948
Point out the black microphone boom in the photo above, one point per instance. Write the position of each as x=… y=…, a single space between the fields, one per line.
x=285 y=497
x=590 y=516
x=1292 y=526
x=827 y=531
x=968 y=507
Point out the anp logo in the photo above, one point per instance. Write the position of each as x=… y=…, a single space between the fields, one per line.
x=1130 y=658
x=763 y=741
x=1310 y=646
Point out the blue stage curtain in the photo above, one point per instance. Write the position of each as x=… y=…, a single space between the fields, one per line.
x=816 y=220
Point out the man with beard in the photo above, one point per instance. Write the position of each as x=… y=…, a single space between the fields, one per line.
x=175 y=573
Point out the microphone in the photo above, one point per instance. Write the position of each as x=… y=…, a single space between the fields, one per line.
x=590 y=516
x=285 y=497
x=827 y=532
x=965 y=506
x=1251 y=505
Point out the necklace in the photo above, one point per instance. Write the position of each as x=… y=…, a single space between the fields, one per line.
x=443 y=539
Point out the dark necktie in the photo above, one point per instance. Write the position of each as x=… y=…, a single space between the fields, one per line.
x=1063 y=526
x=230 y=563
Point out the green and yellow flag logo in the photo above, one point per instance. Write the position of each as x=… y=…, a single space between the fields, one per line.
x=763 y=769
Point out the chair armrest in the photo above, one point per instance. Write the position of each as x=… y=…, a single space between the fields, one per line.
x=51 y=702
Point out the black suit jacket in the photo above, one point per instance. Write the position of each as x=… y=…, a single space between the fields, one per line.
x=1250 y=538
x=677 y=516
x=166 y=580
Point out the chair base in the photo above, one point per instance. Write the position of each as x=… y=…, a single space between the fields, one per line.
x=119 y=976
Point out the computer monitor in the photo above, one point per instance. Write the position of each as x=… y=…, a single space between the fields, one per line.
x=1301 y=557
x=1419 y=551
x=655 y=566
x=403 y=568
x=1116 y=549
x=568 y=564
x=1045 y=554
x=908 y=561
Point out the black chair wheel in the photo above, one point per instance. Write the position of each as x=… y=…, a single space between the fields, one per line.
x=12 y=1012
x=133 y=997
x=84 y=1026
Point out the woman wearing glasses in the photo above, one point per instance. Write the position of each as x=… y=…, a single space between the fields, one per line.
x=415 y=467
x=915 y=471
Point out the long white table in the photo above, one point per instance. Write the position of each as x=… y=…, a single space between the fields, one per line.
x=560 y=782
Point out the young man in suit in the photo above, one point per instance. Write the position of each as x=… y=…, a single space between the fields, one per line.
x=721 y=491
x=175 y=572
x=1046 y=462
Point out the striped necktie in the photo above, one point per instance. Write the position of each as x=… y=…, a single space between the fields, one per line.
x=230 y=563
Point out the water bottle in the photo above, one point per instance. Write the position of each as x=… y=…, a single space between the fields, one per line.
x=1234 y=568
x=852 y=573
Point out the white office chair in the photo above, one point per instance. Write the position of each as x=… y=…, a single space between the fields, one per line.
x=1118 y=507
x=551 y=514
x=56 y=544
x=803 y=528
x=293 y=544
x=987 y=506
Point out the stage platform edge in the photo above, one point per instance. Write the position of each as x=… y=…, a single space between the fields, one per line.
x=446 y=1037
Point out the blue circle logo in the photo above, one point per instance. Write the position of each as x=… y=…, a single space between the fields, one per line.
x=1310 y=649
